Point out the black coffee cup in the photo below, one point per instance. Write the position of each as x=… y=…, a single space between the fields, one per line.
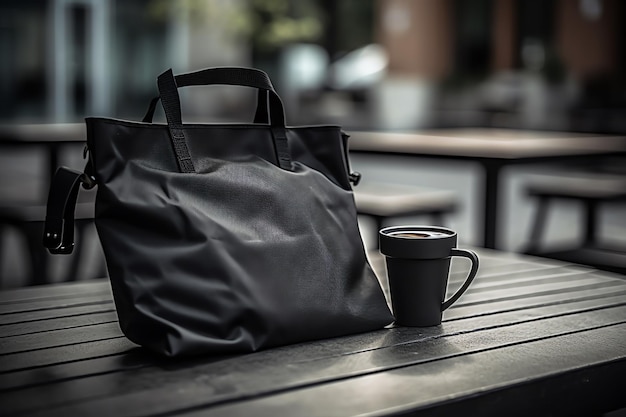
x=418 y=266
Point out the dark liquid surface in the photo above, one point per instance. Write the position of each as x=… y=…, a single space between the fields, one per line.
x=412 y=235
x=418 y=234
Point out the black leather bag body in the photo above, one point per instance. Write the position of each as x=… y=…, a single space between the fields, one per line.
x=224 y=238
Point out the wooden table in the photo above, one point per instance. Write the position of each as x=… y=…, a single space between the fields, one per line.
x=530 y=337
x=493 y=149
x=51 y=137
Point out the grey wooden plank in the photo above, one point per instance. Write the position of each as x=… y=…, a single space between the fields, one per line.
x=59 y=323
x=458 y=311
x=230 y=379
x=55 y=313
x=534 y=291
x=486 y=383
x=510 y=315
x=57 y=304
x=533 y=263
x=61 y=290
x=61 y=337
x=63 y=354
x=564 y=278
x=120 y=360
x=459 y=272
x=505 y=272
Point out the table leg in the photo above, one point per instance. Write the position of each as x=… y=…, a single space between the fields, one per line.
x=490 y=221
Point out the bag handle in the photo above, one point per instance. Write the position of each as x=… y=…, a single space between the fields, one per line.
x=168 y=91
x=261 y=115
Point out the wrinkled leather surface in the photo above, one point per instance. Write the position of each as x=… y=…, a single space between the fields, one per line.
x=239 y=256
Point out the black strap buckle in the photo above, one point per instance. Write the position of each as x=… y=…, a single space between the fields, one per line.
x=58 y=235
x=355 y=178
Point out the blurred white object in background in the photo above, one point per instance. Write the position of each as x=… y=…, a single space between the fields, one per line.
x=303 y=68
x=404 y=103
x=359 y=69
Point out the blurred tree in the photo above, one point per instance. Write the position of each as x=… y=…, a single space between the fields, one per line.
x=267 y=24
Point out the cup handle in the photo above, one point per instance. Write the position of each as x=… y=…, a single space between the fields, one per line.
x=472 y=274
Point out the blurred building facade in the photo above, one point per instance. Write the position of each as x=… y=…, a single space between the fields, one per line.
x=556 y=64
x=64 y=59
x=446 y=62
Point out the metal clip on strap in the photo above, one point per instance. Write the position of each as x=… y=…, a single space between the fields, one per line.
x=58 y=235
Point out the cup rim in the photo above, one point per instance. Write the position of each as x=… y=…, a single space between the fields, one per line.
x=388 y=231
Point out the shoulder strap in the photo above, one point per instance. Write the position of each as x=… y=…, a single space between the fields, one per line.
x=58 y=235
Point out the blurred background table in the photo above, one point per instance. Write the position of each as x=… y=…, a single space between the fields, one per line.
x=51 y=137
x=493 y=149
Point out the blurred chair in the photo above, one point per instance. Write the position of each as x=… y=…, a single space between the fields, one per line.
x=385 y=201
x=592 y=191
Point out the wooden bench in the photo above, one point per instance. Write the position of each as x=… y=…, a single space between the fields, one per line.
x=591 y=190
x=383 y=201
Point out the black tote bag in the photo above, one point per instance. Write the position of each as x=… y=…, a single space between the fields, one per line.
x=224 y=238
